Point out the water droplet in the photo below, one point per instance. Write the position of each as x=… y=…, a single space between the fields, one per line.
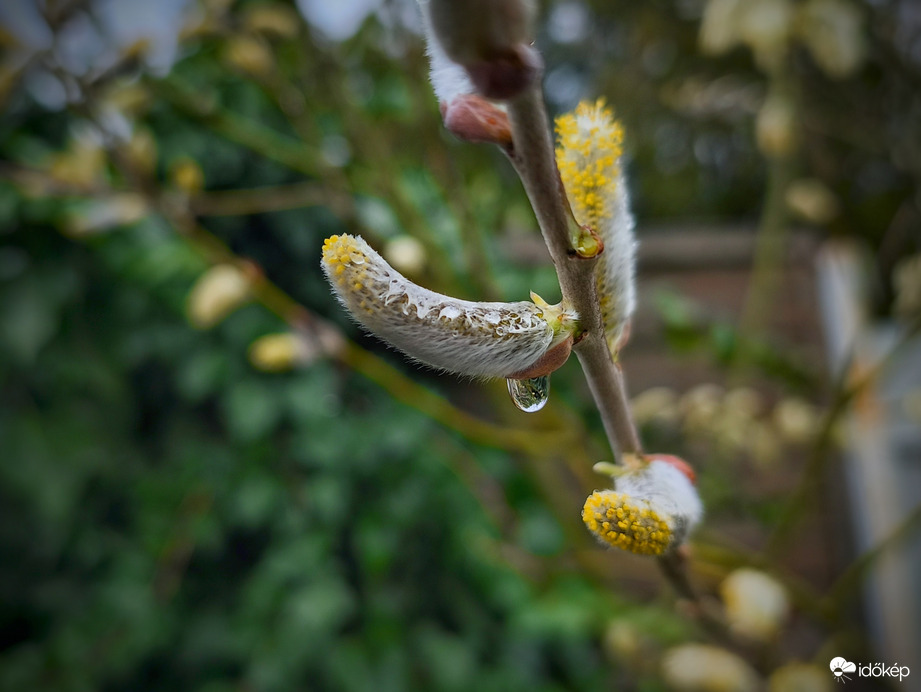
x=449 y=312
x=530 y=395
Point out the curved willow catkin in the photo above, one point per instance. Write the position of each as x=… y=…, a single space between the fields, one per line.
x=589 y=148
x=459 y=336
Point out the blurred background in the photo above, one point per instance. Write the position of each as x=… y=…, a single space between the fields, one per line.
x=211 y=480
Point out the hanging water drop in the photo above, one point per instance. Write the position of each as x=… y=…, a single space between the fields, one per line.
x=531 y=394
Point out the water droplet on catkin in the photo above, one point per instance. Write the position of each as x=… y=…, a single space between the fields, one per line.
x=531 y=394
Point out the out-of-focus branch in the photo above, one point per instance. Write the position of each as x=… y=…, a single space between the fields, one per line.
x=842 y=589
x=847 y=389
x=260 y=200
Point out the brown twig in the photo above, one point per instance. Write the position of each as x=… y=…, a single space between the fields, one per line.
x=535 y=162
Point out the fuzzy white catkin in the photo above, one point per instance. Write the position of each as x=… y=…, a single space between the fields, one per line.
x=449 y=79
x=589 y=150
x=668 y=490
x=477 y=339
x=698 y=667
x=651 y=510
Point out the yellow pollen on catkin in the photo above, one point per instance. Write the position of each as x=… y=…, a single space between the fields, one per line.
x=619 y=521
x=589 y=145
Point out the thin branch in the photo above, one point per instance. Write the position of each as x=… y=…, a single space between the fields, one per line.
x=535 y=162
x=259 y=200
x=848 y=388
x=534 y=159
x=843 y=587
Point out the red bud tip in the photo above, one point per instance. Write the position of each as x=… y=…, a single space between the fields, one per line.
x=677 y=462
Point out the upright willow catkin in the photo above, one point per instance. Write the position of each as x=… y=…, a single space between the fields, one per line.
x=477 y=339
x=589 y=150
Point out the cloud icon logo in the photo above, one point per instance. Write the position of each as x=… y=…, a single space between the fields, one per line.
x=840 y=667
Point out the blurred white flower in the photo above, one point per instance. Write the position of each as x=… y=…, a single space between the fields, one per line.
x=700 y=407
x=705 y=668
x=833 y=32
x=406 y=254
x=719 y=29
x=757 y=605
x=655 y=404
x=568 y=22
x=337 y=21
x=765 y=27
x=103 y=214
x=796 y=420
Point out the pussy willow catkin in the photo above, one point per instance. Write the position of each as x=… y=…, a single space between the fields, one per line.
x=651 y=510
x=478 y=339
x=589 y=149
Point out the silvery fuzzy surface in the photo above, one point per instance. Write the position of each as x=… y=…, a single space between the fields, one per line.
x=477 y=339
x=667 y=491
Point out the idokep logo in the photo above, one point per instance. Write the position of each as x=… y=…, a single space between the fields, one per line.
x=843 y=670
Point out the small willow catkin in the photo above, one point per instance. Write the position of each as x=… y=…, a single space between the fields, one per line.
x=650 y=512
x=477 y=339
x=589 y=149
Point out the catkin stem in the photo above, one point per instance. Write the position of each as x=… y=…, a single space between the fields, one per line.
x=535 y=162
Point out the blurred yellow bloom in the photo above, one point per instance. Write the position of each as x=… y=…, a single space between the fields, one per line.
x=277 y=352
x=273 y=19
x=811 y=200
x=218 y=292
x=187 y=175
x=81 y=163
x=249 y=54
x=775 y=126
x=142 y=150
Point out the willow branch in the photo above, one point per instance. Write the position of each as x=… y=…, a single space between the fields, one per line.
x=535 y=162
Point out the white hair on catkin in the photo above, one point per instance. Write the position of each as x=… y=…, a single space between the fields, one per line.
x=650 y=511
x=449 y=79
x=589 y=151
x=668 y=490
x=477 y=339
